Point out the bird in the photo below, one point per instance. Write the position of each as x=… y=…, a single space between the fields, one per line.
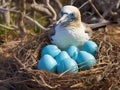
x=69 y=29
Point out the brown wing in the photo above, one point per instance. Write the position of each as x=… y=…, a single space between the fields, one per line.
x=51 y=31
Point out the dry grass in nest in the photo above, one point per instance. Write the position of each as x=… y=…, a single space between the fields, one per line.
x=21 y=72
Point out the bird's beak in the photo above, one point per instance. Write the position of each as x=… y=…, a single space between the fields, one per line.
x=63 y=19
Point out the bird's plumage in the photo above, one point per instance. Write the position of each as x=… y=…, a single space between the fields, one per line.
x=69 y=30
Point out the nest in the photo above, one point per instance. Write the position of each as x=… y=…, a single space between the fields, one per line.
x=20 y=73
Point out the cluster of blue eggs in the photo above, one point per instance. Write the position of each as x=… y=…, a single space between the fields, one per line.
x=69 y=61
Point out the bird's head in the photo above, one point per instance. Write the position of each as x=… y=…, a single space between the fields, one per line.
x=69 y=14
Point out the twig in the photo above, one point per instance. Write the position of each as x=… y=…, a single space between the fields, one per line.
x=22 y=81
x=99 y=24
x=27 y=17
x=72 y=2
x=19 y=61
x=95 y=9
x=58 y=3
x=4 y=5
x=11 y=43
x=100 y=45
x=50 y=8
x=8 y=28
x=35 y=22
x=83 y=4
x=8 y=80
x=69 y=69
x=44 y=83
x=22 y=7
x=10 y=10
x=80 y=84
x=6 y=15
x=41 y=8
x=34 y=1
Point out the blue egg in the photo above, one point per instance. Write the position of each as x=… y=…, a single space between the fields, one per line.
x=68 y=65
x=61 y=56
x=73 y=52
x=90 y=47
x=47 y=63
x=52 y=50
x=85 y=60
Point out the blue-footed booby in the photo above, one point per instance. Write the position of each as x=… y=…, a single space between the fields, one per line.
x=69 y=30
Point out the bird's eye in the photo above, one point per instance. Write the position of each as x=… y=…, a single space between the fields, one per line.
x=72 y=16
